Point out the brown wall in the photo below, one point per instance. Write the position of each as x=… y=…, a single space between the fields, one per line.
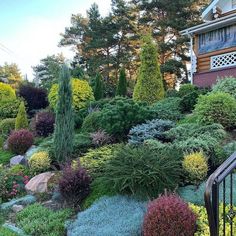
x=207 y=79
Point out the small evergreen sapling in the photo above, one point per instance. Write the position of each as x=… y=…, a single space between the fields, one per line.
x=122 y=84
x=64 y=129
x=21 y=118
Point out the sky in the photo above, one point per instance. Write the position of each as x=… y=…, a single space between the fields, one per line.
x=30 y=29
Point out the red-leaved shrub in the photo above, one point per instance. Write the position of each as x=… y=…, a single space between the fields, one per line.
x=20 y=141
x=43 y=123
x=74 y=184
x=169 y=215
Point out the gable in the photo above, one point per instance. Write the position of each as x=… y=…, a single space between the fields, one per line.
x=224 y=5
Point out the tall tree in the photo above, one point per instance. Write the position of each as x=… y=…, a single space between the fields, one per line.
x=64 y=129
x=149 y=87
x=10 y=74
x=165 y=19
x=122 y=84
x=47 y=72
x=98 y=87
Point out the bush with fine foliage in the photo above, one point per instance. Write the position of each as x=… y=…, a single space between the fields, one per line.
x=195 y=166
x=142 y=171
x=169 y=215
x=6 y=126
x=186 y=89
x=36 y=98
x=217 y=108
x=118 y=215
x=153 y=129
x=21 y=118
x=230 y=148
x=121 y=114
x=95 y=159
x=43 y=123
x=74 y=184
x=9 y=108
x=82 y=93
x=226 y=85
x=82 y=142
x=100 y=138
x=168 y=109
x=6 y=92
x=20 y=141
x=91 y=122
x=39 y=162
x=189 y=101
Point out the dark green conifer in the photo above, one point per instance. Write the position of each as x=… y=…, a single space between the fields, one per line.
x=99 y=87
x=64 y=130
x=122 y=84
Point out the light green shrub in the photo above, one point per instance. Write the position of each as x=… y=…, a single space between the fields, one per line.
x=39 y=162
x=21 y=118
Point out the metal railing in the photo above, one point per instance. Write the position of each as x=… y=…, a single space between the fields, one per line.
x=216 y=193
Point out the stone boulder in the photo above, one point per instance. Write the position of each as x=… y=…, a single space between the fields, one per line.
x=16 y=160
x=39 y=183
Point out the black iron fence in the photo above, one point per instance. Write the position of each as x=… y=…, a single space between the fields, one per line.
x=219 y=199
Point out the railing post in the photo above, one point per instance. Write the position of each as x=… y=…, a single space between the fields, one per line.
x=215 y=208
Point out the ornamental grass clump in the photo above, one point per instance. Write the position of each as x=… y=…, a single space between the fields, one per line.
x=195 y=166
x=20 y=141
x=169 y=215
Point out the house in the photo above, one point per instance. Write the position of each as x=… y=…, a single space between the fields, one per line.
x=213 y=44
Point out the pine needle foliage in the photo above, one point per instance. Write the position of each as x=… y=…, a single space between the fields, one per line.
x=149 y=87
x=122 y=84
x=64 y=130
x=21 y=118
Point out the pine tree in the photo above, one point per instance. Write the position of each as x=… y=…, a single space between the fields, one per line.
x=21 y=118
x=99 y=87
x=64 y=130
x=149 y=87
x=122 y=84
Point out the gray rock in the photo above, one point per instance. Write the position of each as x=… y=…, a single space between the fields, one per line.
x=5 y=146
x=18 y=160
x=17 y=208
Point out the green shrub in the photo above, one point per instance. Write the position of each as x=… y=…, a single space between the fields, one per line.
x=217 y=108
x=195 y=166
x=91 y=122
x=154 y=129
x=5 y=156
x=38 y=220
x=9 y=108
x=98 y=190
x=21 y=118
x=121 y=89
x=95 y=159
x=6 y=126
x=39 y=162
x=121 y=114
x=226 y=85
x=230 y=148
x=168 y=109
x=149 y=87
x=185 y=131
x=142 y=171
x=189 y=101
x=6 y=92
x=81 y=92
x=7 y=232
x=19 y=169
x=82 y=142
x=186 y=89
x=171 y=93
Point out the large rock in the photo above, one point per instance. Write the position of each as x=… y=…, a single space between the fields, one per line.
x=16 y=160
x=39 y=183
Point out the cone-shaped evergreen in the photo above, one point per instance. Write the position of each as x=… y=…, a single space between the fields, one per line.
x=64 y=130
x=149 y=87
x=99 y=87
x=122 y=84
x=21 y=118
